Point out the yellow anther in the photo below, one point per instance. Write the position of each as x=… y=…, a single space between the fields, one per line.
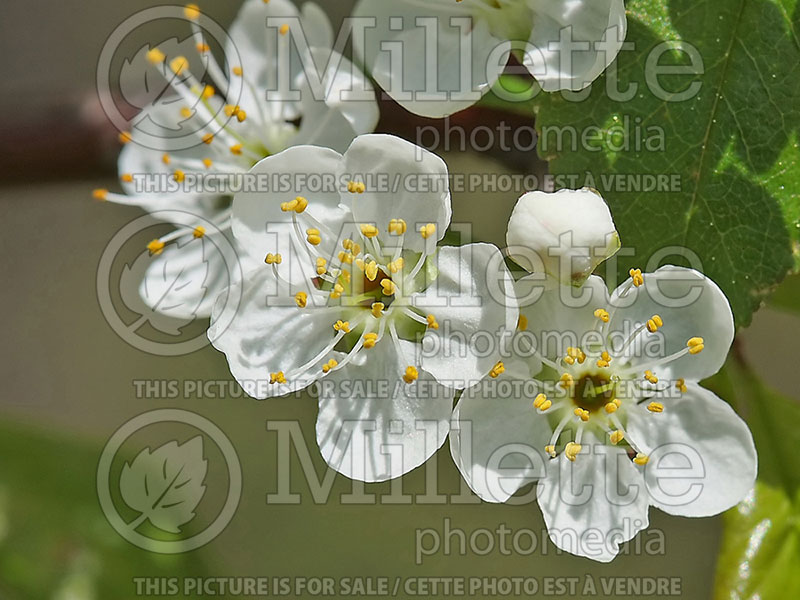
x=321 y=266
x=207 y=162
x=241 y=116
x=397 y=226
x=371 y=270
x=611 y=408
x=389 y=287
x=313 y=237
x=617 y=401
x=369 y=231
x=583 y=414
x=208 y=138
x=411 y=375
x=636 y=275
x=301 y=298
x=370 y=339
x=179 y=176
x=377 y=309
x=497 y=370
x=681 y=385
x=432 y=323
x=539 y=400
x=237 y=71
x=297 y=205
x=273 y=259
x=604 y=361
x=125 y=137
x=569 y=360
x=230 y=110
x=155 y=247
x=522 y=323
x=397 y=265
x=165 y=158
x=602 y=314
x=346 y=258
x=202 y=48
x=545 y=405
x=616 y=437
x=641 y=459
x=572 y=450
x=236 y=149
x=332 y=363
x=337 y=291
x=342 y=326
x=199 y=232
x=277 y=377
x=654 y=323
x=100 y=194
x=655 y=407
x=126 y=177
x=208 y=91
x=428 y=230
x=178 y=65
x=155 y=56
x=551 y=450
x=566 y=380
x=695 y=345
x=284 y=29
x=650 y=376
x=356 y=187
x=359 y=262
x=186 y=112
x=191 y=11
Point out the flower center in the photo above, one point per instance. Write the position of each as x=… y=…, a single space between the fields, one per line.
x=592 y=392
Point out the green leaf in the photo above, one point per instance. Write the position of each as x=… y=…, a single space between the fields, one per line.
x=729 y=153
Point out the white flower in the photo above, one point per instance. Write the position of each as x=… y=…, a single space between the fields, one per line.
x=619 y=409
x=234 y=126
x=570 y=232
x=354 y=288
x=468 y=54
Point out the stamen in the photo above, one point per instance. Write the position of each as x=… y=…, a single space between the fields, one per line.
x=389 y=287
x=236 y=149
x=397 y=226
x=273 y=259
x=611 y=407
x=431 y=320
x=237 y=71
x=284 y=29
x=155 y=56
x=583 y=414
x=332 y=363
x=314 y=238
x=604 y=361
x=297 y=205
x=377 y=309
x=370 y=339
x=356 y=187
x=342 y=326
x=125 y=137
x=369 y=231
x=337 y=291
x=301 y=298
x=681 y=385
x=572 y=450
x=603 y=315
x=636 y=275
x=321 y=262
x=411 y=375
x=655 y=407
x=178 y=65
x=278 y=377
x=156 y=247
x=371 y=270
x=428 y=230
x=654 y=323
x=641 y=459
x=100 y=194
x=199 y=232
x=539 y=400
x=191 y=11
x=396 y=265
x=649 y=376
x=616 y=437
x=566 y=381
x=522 y=323
x=165 y=158
x=497 y=370
x=695 y=345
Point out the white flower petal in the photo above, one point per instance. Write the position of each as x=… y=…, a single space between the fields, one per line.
x=573 y=227
x=497 y=442
x=316 y=25
x=702 y=457
x=412 y=184
x=253 y=335
x=590 y=21
x=690 y=305
x=472 y=300
x=372 y=426
x=592 y=505
x=456 y=87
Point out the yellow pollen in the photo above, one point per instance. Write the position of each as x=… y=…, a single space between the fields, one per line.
x=126 y=177
x=100 y=194
x=566 y=380
x=641 y=459
x=208 y=138
x=653 y=323
x=165 y=158
x=432 y=322
x=207 y=162
x=655 y=407
x=301 y=298
x=369 y=340
x=337 y=291
x=273 y=259
x=208 y=91
x=321 y=266
x=551 y=450
x=522 y=323
x=369 y=231
x=284 y=29
x=241 y=116
x=371 y=270
x=356 y=187
x=332 y=363
x=297 y=205
x=186 y=112
x=695 y=345
x=277 y=377
x=124 y=137
x=155 y=56
x=583 y=414
x=602 y=314
x=649 y=376
x=572 y=450
x=191 y=11
x=342 y=326
x=411 y=375
x=237 y=71
x=377 y=309
x=155 y=247
x=681 y=385
x=545 y=405
x=397 y=226
x=611 y=408
x=396 y=265
x=617 y=436
x=497 y=370
x=178 y=65
x=236 y=149
x=179 y=176
x=636 y=275
x=389 y=287
x=428 y=230
x=202 y=48
x=313 y=237
x=539 y=400
x=346 y=258
x=617 y=401
x=199 y=232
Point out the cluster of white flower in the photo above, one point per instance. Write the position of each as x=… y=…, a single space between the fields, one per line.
x=348 y=286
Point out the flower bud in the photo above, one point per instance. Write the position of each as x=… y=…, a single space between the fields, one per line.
x=566 y=234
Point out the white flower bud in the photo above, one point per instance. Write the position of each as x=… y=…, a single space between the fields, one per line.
x=566 y=234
